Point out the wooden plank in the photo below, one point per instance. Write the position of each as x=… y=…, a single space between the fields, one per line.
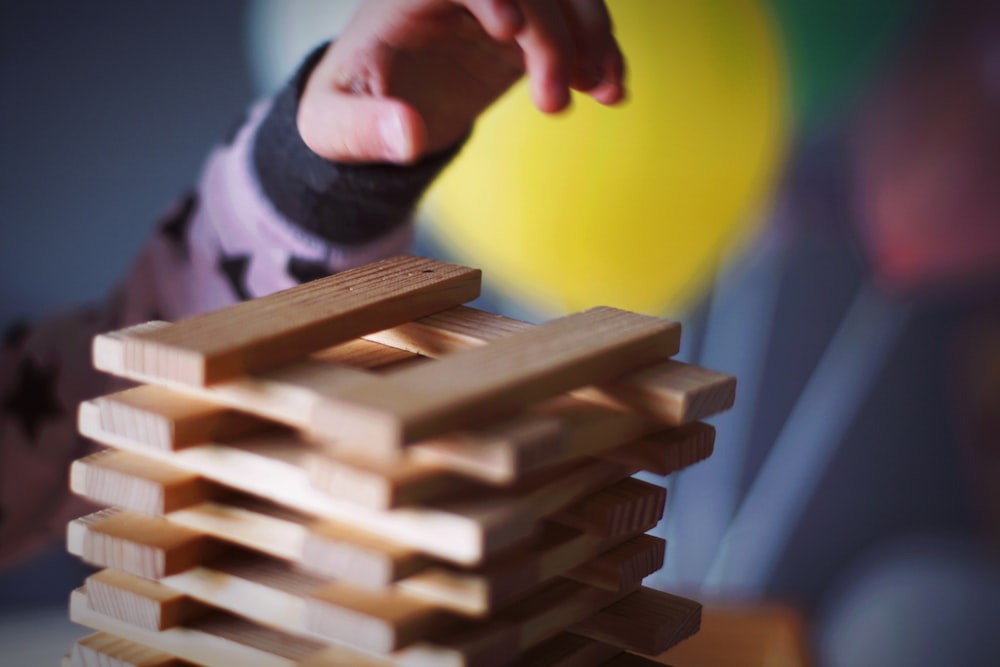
x=624 y=567
x=274 y=330
x=222 y=640
x=145 y=546
x=513 y=631
x=142 y=602
x=667 y=451
x=138 y=483
x=337 y=551
x=273 y=593
x=647 y=621
x=104 y=650
x=463 y=530
x=607 y=563
x=171 y=420
x=554 y=432
x=382 y=414
x=619 y=510
x=672 y=392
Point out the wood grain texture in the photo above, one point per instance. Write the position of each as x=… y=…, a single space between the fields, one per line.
x=148 y=547
x=624 y=567
x=104 y=650
x=274 y=330
x=555 y=432
x=667 y=451
x=418 y=402
x=171 y=420
x=620 y=509
x=672 y=392
x=222 y=640
x=141 y=602
x=463 y=530
x=647 y=622
x=340 y=552
x=138 y=483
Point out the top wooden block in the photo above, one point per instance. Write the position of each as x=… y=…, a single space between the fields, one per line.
x=274 y=330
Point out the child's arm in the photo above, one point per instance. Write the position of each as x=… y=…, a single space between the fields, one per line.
x=322 y=178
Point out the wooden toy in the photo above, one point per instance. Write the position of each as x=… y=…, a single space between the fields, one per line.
x=362 y=471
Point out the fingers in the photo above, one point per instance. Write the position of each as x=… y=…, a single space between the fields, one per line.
x=501 y=19
x=356 y=128
x=565 y=44
x=599 y=61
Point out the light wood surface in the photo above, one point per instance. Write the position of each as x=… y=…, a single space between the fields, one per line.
x=104 y=650
x=280 y=328
x=387 y=412
x=463 y=530
x=337 y=551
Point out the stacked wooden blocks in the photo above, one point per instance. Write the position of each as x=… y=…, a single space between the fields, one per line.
x=362 y=471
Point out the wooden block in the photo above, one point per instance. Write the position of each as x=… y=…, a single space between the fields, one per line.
x=170 y=420
x=137 y=483
x=513 y=631
x=463 y=530
x=222 y=640
x=141 y=602
x=545 y=434
x=673 y=392
x=647 y=621
x=622 y=568
x=555 y=432
x=340 y=552
x=448 y=331
x=568 y=650
x=273 y=593
x=145 y=546
x=382 y=414
x=619 y=510
x=668 y=451
x=104 y=650
x=558 y=551
x=300 y=606
x=274 y=330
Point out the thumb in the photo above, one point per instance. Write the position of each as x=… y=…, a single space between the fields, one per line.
x=360 y=128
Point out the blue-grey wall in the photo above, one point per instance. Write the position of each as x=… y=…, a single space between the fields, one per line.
x=106 y=111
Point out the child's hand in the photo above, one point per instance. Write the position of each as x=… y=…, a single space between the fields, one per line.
x=409 y=77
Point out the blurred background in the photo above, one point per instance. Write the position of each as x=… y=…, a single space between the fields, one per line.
x=812 y=188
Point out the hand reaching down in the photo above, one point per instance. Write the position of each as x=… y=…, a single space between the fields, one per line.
x=409 y=77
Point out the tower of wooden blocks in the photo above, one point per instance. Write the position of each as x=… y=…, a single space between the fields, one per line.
x=363 y=471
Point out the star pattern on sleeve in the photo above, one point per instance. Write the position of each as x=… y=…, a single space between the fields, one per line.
x=305 y=270
x=175 y=228
x=234 y=268
x=32 y=401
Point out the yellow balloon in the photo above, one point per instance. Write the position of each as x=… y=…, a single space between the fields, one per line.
x=630 y=206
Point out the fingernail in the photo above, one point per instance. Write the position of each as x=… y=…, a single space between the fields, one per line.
x=394 y=140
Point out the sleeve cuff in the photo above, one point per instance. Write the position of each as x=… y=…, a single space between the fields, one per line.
x=342 y=203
